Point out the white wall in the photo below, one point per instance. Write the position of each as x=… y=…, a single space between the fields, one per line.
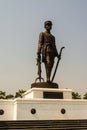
x=49 y=109
x=8 y=107
x=46 y=109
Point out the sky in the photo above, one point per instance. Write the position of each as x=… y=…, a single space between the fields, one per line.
x=21 y=21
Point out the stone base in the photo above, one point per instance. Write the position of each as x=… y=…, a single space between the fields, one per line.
x=44 y=85
x=48 y=93
x=75 y=124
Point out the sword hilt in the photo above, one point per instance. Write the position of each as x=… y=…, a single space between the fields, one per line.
x=40 y=78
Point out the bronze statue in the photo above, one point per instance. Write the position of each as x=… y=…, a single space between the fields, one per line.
x=47 y=50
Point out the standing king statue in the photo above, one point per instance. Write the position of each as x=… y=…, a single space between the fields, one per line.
x=47 y=49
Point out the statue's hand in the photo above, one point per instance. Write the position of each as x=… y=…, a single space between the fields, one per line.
x=38 y=56
x=59 y=56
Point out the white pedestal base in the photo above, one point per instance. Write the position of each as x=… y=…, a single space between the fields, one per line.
x=39 y=93
x=33 y=106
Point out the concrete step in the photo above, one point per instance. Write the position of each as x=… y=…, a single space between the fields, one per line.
x=44 y=125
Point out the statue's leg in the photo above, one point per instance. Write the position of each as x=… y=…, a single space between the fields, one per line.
x=48 y=73
x=48 y=66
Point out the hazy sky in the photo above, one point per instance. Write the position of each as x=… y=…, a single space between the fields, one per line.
x=21 y=21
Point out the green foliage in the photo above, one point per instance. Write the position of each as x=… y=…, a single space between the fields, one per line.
x=75 y=95
x=2 y=94
x=85 y=96
x=10 y=96
x=19 y=93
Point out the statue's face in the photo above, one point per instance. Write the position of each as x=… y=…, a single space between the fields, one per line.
x=48 y=27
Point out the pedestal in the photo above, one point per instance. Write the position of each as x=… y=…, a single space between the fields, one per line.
x=48 y=93
x=44 y=85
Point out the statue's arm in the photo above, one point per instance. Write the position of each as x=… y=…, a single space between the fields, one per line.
x=40 y=42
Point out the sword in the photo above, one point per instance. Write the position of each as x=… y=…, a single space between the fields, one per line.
x=39 y=70
x=57 y=64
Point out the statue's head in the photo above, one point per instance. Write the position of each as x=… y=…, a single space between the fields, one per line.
x=48 y=23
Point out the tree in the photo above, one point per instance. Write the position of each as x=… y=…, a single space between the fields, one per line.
x=75 y=95
x=2 y=94
x=19 y=93
x=85 y=96
x=10 y=96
